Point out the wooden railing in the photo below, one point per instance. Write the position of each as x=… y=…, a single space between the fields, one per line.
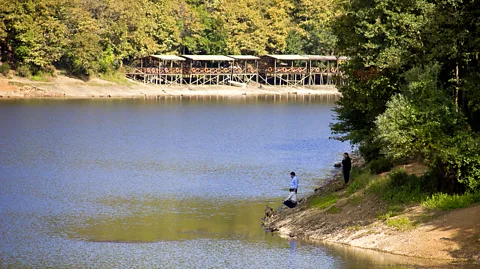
x=229 y=70
x=286 y=70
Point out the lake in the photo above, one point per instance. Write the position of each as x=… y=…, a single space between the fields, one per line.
x=163 y=183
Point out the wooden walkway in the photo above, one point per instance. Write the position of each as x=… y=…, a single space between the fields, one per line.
x=274 y=70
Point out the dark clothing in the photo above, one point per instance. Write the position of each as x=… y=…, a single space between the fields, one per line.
x=290 y=203
x=346 y=167
x=346 y=176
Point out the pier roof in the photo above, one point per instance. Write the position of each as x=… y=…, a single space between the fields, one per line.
x=321 y=57
x=168 y=57
x=244 y=57
x=287 y=57
x=208 y=57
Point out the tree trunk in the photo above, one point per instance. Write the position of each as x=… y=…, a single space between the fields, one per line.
x=456 y=86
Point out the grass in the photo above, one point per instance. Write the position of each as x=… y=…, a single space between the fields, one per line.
x=40 y=77
x=334 y=210
x=354 y=228
x=360 y=178
x=400 y=223
x=116 y=77
x=399 y=188
x=355 y=199
x=322 y=202
x=444 y=201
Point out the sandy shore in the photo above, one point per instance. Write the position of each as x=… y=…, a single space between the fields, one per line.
x=65 y=87
x=451 y=236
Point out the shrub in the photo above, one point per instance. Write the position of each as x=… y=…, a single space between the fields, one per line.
x=380 y=165
x=444 y=201
x=23 y=71
x=39 y=76
x=4 y=69
x=400 y=188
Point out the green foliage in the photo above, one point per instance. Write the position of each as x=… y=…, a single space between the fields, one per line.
x=445 y=201
x=408 y=58
x=401 y=188
x=39 y=76
x=359 y=178
x=116 y=77
x=380 y=165
x=4 y=69
x=423 y=123
x=400 y=223
x=86 y=37
x=355 y=199
x=322 y=202
x=23 y=71
x=334 y=210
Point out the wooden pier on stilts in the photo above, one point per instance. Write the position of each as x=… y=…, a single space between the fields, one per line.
x=271 y=70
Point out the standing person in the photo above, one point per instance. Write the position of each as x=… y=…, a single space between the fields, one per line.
x=294 y=182
x=291 y=200
x=346 y=167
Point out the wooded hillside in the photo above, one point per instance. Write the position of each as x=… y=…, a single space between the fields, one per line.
x=86 y=37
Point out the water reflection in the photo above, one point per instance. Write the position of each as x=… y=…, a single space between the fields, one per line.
x=156 y=219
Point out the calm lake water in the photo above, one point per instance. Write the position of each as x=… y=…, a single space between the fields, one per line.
x=162 y=183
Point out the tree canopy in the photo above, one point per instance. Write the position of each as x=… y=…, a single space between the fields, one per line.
x=86 y=37
x=413 y=90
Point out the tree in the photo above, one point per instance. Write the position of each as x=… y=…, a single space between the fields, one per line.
x=33 y=32
x=314 y=18
x=384 y=39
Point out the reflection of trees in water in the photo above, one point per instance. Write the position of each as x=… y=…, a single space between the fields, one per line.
x=157 y=219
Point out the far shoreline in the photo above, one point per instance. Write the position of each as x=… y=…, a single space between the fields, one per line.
x=62 y=87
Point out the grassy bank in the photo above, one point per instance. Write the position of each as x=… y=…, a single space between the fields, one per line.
x=397 y=211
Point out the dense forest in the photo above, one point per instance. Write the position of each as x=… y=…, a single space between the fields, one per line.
x=87 y=37
x=414 y=86
x=414 y=77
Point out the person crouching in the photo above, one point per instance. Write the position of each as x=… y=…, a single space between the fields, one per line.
x=291 y=200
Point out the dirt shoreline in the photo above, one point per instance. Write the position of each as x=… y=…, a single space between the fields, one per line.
x=70 y=88
x=436 y=236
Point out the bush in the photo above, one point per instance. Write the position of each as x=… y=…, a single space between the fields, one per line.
x=39 y=76
x=380 y=165
x=444 y=201
x=401 y=188
x=23 y=71
x=4 y=69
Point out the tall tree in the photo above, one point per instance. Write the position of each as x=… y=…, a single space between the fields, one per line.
x=384 y=39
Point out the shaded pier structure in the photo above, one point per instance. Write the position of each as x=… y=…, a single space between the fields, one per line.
x=207 y=69
x=245 y=68
x=284 y=70
x=273 y=70
x=324 y=70
x=159 y=69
